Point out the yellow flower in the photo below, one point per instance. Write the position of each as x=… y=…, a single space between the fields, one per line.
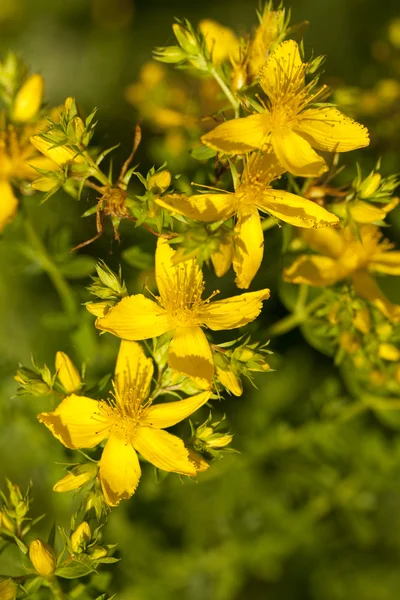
x=8 y=589
x=287 y=124
x=343 y=255
x=180 y=309
x=42 y=557
x=254 y=193
x=129 y=423
x=221 y=42
x=28 y=99
x=67 y=373
x=17 y=161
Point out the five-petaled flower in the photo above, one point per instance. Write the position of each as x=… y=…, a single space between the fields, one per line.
x=181 y=310
x=343 y=255
x=288 y=124
x=253 y=194
x=129 y=422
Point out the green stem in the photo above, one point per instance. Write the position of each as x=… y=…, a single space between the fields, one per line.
x=295 y=319
x=57 y=279
x=228 y=93
x=268 y=223
x=56 y=589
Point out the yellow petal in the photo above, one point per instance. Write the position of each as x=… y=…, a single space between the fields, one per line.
x=389 y=352
x=135 y=318
x=295 y=210
x=171 y=413
x=365 y=212
x=198 y=461
x=99 y=309
x=326 y=241
x=8 y=204
x=183 y=278
x=296 y=154
x=261 y=168
x=221 y=42
x=190 y=354
x=367 y=288
x=313 y=270
x=327 y=129
x=67 y=373
x=28 y=169
x=119 y=472
x=230 y=381
x=77 y=422
x=29 y=98
x=133 y=371
x=201 y=207
x=163 y=450
x=222 y=258
x=234 y=312
x=8 y=589
x=249 y=246
x=239 y=136
x=386 y=262
x=284 y=72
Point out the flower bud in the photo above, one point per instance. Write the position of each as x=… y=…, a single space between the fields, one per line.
x=198 y=461
x=8 y=589
x=59 y=154
x=80 y=538
x=170 y=55
x=46 y=184
x=97 y=553
x=6 y=523
x=42 y=557
x=362 y=320
x=76 y=478
x=28 y=99
x=389 y=352
x=185 y=38
x=159 y=182
x=67 y=373
x=230 y=381
x=370 y=185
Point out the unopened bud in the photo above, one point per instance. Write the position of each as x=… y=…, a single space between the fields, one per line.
x=199 y=462
x=76 y=478
x=8 y=589
x=389 y=352
x=42 y=557
x=80 y=538
x=97 y=553
x=230 y=381
x=59 y=154
x=170 y=55
x=28 y=99
x=362 y=320
x=185 y=38
x=159 y=182
x=67 y=373
x=370 y=185
x=6 y=523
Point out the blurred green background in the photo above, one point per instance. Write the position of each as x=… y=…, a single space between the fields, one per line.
x=309 y=509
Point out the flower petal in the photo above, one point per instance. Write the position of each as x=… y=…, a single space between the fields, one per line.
x=221 y=42
x=386 y=262
x=327 y=129
x=318 y=271
x=249 y=246
x=8 y=204
x=77 y=422
x=284 y=72
x=135 y=318
x=120 y=471
x=190 y=354
x=234 y=312
x=367 y=288
x=296 y=154
x=365 y=212
x=201 y=207
x=163 y=450
x=262 y=167
x=328 y=241
x=171 y=413
x=239 y=136
x=222 y=258
x=295 y=210
x=183 y=278
x=133 y=371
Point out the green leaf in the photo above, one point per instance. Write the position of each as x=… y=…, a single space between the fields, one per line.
x=74 y=570
x=202 y=153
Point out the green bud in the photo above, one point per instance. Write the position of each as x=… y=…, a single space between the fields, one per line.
x=186 y=39
x=170 y=55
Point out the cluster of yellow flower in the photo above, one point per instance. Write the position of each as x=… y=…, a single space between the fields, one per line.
x=280 y=148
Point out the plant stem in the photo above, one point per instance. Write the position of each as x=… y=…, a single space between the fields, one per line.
x=57 y=279
x=268 y=223
x=56 y=589
x=295 y=319
x=228 y=93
